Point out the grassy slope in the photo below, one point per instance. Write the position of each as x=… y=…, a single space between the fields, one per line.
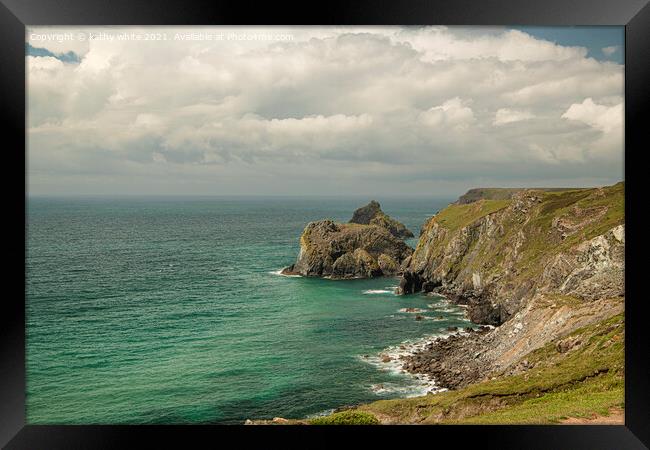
x=540 y=241
x=458 y=216
x=585 y=380
x=498 y=193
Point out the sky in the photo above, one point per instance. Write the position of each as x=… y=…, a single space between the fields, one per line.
x=427 y=111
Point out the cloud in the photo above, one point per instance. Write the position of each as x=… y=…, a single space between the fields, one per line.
x=609 y=51
x=601 y=117
x=460 y=43
x=388 y=108
x=505 y=115
x=452 y=113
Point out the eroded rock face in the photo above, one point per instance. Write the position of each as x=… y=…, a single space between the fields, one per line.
x=591 y=270
x=569 y=243
x=371 y=214
x=335 y=250
x=466 y=358
x=538 y=266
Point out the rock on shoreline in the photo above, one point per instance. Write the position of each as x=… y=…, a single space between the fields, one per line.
x=449 y=360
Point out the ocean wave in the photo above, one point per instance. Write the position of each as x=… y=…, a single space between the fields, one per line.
x=391 y=360
x=377 y=291
x=412 y=310
x=279 y=272
x=326 y=412
x=405 y=391
x=448 y=308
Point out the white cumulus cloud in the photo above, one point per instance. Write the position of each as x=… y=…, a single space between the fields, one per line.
x=333 y=109
x=505 y=115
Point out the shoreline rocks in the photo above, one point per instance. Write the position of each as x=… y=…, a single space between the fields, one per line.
x=449 y=360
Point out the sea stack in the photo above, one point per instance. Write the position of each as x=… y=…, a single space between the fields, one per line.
x=370 y=245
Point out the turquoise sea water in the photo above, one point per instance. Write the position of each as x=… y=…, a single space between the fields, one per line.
x=170 y=310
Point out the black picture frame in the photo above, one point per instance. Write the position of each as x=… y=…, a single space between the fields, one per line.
x=16 y=14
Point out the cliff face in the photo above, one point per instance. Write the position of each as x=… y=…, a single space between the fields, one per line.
x=335 y=250
x=496 y=255
x=539 y=265
x=371 y=214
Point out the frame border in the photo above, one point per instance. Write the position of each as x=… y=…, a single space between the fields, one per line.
x=15 y=15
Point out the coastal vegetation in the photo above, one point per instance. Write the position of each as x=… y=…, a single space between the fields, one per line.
x=350 y=417
x=579 y=375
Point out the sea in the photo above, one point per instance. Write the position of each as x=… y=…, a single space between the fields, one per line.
x=172 y=310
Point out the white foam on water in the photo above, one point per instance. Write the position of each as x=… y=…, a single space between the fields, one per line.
x=412 y=310
x=377 y=291
x=391 y=360
x=404 y=391
x=326 y=412
x=279 y=272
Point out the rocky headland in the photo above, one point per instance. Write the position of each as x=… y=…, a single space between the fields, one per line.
x=353 y=250
x=537 y=266
x=476 y=194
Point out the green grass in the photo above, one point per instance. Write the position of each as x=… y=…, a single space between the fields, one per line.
x=350 y=417
x=541 y=241
x=585 y=380
x=594 y=397
x=500 y=193
x=458 y=216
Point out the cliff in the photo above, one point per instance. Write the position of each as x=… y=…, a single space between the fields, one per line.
x=538 y=266
x=477 y=194
x=371 y=214
x=496 y=255
x=335 y=250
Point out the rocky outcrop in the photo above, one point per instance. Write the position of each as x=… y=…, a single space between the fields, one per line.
x=473 y=356
x=537 y=266
x=339 y=251
x=371 y=214
x=495 y=255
